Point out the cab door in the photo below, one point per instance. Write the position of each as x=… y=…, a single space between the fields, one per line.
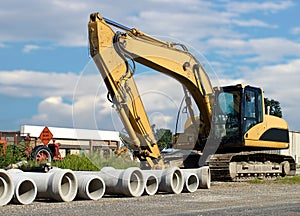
x=252 y=107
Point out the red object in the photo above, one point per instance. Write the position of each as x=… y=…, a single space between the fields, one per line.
x=54 y=147
x=3 y=142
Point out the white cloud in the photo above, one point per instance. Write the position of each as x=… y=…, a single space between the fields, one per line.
x=261 y=50
x=295 y=30
x=31 y=47
x=28 y=48
x=64 y=23
x=252 y=23
x=267 y=6
x=52 y=111
x=22 y=83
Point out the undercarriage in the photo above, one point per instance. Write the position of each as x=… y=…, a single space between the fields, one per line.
x=249 y=165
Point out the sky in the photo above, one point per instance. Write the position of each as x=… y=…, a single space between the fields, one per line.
x=48 y=78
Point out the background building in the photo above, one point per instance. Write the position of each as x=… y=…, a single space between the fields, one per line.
x=75 y=141
x=294 y=149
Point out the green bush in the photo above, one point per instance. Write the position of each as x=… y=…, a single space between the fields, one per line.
x=93 y=162
x=14 y=154
x=113 y=161
x=76 y=162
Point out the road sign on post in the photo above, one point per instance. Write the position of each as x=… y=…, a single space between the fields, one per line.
x=46 y=136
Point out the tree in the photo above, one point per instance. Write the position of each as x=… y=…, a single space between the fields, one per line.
x=275 y=108
x=163 y=137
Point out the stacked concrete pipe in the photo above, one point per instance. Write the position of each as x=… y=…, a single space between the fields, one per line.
x=6 y=188
x=90 y=187
x=57 y=184
x=25 y=188
x=191 y=181
x=170 y=180
x=203 y=174
x=151 y=184
x=127 y=182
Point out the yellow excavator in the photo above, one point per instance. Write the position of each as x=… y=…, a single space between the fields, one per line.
x=231 y=133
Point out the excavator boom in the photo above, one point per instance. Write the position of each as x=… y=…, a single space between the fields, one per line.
x=111 y=52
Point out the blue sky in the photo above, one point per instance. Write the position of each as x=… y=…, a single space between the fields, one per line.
x=47 y=77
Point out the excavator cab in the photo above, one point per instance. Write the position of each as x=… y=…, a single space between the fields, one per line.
x=239 y=120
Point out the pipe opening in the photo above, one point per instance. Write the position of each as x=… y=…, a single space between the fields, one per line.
x=177 y=181
x=96 y=188
x=26 y=192
x=65 y=185
x=2 y=187
x=134 y=182
x=151 y=185
x=6 y=188
x=192 y=183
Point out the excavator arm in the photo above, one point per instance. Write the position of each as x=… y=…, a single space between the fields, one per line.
x=112 y=51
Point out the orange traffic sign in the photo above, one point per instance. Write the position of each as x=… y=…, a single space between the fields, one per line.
x=46 y=136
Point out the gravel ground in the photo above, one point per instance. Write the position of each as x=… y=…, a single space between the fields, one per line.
x=223 y=198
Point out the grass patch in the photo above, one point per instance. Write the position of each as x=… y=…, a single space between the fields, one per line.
x=93 y=162
x=284 y=180
x=257 y=181
x=289 y=180
x=76 y=163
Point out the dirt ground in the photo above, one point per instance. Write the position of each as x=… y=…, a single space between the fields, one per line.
x=223 y=198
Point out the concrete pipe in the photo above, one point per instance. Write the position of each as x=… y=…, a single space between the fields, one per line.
x=170 y=180
x=90 y=187
x=128 y=182
x=57 y=184
x=191 y=181
x=151 y=184
x=6 y=188
x=25 y=188
x=204 y=176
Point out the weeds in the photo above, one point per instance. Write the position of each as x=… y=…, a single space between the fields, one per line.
x=14 y=154
x=113 y=161
x=93 y=162
x=287 y=180
x=257 y=181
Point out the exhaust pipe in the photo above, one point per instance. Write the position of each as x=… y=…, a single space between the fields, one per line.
x=57 y=184
x=6 y=188
x=90 y=187
x=191 y=181
x=128 y=182
x=25 y=188
x=151 y=184
x=170 y=180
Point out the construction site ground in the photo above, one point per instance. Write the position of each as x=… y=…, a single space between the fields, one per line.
x=223 y=198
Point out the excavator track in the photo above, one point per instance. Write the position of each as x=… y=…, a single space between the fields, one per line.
x=249 y=165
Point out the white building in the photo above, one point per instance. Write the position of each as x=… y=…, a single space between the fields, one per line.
x=294 y=149
x=75 y=141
